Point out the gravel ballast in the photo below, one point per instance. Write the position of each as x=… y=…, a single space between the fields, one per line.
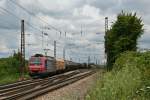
x=75 y=91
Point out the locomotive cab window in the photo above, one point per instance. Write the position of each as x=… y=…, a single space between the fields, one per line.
x=35 y=61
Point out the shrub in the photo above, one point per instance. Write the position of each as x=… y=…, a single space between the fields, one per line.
x=9 y=70
x=130 y=79
x=117 y=86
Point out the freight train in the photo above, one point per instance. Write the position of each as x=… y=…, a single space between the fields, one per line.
x=40 y=65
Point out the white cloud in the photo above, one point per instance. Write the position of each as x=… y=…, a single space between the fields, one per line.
x=2 y=3
x=87 y=11
x=69 y=16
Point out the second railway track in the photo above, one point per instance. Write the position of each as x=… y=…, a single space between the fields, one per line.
x=30 y=89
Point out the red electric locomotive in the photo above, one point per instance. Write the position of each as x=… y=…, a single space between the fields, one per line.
x=44 y=65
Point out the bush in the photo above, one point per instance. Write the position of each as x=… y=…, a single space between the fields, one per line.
x=9 y=70
x=8 y=66
x=119 y=86
x=130 y=79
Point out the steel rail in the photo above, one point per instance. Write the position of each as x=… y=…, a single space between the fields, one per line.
x=47 y=87
x=12 y=89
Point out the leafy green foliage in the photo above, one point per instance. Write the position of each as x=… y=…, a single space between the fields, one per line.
x=129 y=79
x=118 y=86
x=122 y=36
x=140 y=61
x=10 y=68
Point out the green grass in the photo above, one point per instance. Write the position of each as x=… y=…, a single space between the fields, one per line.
x=8 y=79
x=11 y=78
x=118 y=86
x=129 y=80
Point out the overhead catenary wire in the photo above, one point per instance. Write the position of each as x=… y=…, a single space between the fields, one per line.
x=26 y=22
x=19 y=18
x=32 y=14
x=7 y=25
x=38 y=29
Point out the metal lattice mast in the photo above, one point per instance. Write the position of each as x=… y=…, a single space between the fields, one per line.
x=55 y=49
x=106 y=24
x=22 y=48
x=106 y=29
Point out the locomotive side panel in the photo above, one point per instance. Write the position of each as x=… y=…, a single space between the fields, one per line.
x=50 y=65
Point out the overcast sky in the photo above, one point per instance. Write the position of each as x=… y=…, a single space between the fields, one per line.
x=55 y=17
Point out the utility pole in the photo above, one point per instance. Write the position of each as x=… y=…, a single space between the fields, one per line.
x=106 y=29
x=22 y=58
x=55 y=50
x=64 y=56
x=42 y=39
x=88 y=60
x=81 y=30
x=46 y=51
x=106 y=24
x=70 y=59
x=60 y=33
x=96 y=61
x=65 y=34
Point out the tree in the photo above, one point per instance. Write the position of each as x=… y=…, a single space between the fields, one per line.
x=17 y=55
x=122 y=36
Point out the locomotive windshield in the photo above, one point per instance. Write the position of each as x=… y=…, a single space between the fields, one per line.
x=35 y=61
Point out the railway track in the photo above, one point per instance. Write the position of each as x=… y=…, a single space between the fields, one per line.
x=32 y=88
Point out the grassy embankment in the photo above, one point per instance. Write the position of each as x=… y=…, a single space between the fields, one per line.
x=9 y=70
x=129 y=79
